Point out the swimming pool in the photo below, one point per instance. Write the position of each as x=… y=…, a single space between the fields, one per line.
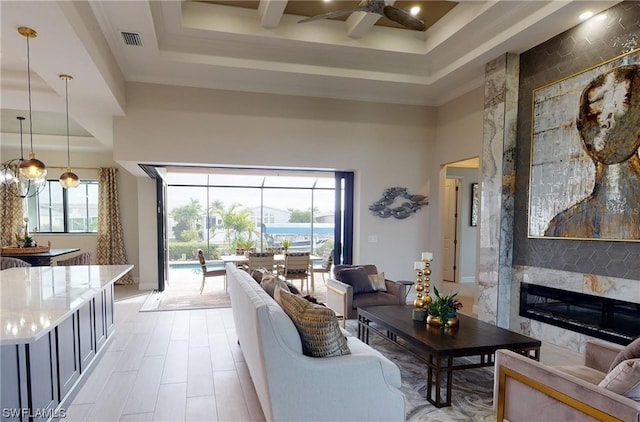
x=194 y=266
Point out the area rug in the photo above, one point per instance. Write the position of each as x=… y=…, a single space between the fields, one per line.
x=184 y=293
x=471 y=397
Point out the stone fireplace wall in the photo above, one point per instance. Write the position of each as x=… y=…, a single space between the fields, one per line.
x=604 y=268
x=597 y=285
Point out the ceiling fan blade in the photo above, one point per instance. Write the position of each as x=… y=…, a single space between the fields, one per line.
x=336 y=14
x=404 y=18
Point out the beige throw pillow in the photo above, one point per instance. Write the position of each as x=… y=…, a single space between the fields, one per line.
x=280 y=286
x=624 y=379
x=378 y=283
x=630 y=351
x=317 y=325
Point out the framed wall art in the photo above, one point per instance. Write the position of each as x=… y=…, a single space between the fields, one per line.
x=585 y=166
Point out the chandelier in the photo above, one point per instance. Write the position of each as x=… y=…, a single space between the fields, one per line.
x=11 y=176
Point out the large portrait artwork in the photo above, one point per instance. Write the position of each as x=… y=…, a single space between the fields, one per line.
x=585 y=164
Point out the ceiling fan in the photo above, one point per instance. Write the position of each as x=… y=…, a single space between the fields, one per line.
x=379 y=7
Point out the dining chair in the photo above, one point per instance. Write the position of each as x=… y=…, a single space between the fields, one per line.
x=81 y=259
x=7 y=262
x=327 y=263
x=257 y=260
x=210 y=273
x=296 y=267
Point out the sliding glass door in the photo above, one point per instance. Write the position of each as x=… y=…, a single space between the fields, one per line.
x=224 y=211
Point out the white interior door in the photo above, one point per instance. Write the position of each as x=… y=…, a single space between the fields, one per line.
x=449 y=232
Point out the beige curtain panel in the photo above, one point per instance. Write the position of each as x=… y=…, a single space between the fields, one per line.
x=11 y=213
x=110 y=245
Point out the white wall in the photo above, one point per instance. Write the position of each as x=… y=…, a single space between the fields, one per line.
x=458 y=137
x=385 y=145
x=147 y=234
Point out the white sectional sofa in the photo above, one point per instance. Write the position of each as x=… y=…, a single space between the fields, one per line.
x=361 y=386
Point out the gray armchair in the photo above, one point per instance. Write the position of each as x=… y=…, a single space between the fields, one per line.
x=527 y=390
x=341 y=297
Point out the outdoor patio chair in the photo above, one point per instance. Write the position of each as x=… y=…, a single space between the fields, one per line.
x=257 y=260
x=327 y=263
x=296 y=267
x=210 y=273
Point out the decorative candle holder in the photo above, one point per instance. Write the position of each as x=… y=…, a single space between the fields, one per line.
x=418 y=303
x=419 y=311
x=427 y=257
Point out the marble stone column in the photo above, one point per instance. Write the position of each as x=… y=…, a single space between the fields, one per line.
x=497 y=189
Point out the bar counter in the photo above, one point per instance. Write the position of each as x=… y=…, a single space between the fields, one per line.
x=54 y=324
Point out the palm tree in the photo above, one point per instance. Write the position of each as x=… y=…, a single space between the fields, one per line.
x=189 y=213
x=235 y=222
x=187 y=216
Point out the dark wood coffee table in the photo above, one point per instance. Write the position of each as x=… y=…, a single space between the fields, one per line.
x=437 y=347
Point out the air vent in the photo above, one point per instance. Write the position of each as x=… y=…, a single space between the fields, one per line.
x=132 y=38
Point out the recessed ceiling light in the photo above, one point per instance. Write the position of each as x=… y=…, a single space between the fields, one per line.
x=414 y=10
x=586 y=15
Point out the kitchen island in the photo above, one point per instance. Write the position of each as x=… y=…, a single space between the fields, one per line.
x=54 y=323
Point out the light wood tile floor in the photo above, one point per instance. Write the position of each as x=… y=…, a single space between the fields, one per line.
x=181 y=366
x=169 y=366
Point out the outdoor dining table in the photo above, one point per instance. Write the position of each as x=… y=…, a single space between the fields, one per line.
x=278 y=258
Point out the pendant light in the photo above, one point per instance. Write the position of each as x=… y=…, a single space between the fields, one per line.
x=10 y=174
x=68 y=179
x=31 y=169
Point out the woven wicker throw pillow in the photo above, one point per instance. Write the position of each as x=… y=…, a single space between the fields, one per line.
x=317 y=325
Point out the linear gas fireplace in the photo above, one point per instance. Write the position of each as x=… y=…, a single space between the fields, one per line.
x=608 y=319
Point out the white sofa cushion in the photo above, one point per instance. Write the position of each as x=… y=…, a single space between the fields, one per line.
x=390 y=369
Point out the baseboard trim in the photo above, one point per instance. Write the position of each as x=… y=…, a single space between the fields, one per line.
x=150 y=285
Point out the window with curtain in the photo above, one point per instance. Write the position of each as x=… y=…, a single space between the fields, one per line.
x=59 y=210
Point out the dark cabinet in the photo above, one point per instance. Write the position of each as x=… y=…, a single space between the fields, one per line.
x=42 y=366
x=67 y=348
x=99 y=320
x=11 y=383
x=41 y=377
x=87 y=344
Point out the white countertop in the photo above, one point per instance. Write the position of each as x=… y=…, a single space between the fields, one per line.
x=34 y=300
